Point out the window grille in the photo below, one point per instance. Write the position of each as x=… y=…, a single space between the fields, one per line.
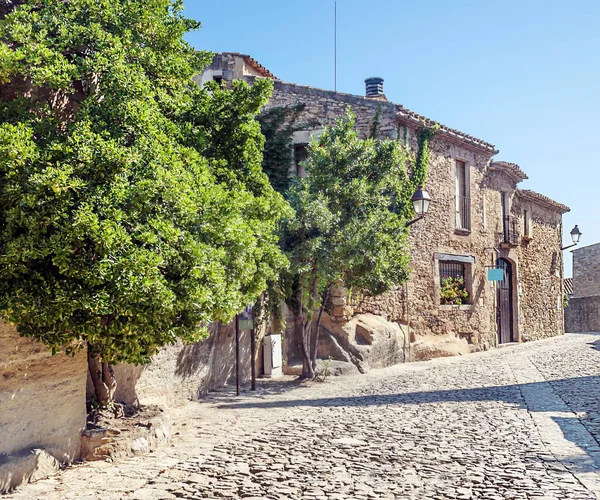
x=511 y=230
x=463 y=201
x=451 y=270
x=463 y=218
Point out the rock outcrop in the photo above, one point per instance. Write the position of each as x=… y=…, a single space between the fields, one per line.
x=365 y=341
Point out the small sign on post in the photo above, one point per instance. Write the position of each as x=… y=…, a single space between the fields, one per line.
x=245 y=321
x=246 y=318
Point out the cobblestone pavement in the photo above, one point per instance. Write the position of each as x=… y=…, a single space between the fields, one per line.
x=521 y=422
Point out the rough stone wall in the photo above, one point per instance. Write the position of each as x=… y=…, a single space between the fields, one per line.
x=437 y=234
x=323 y=110
x=537 y=262
x=42 y=398
x=536 y=308
x=540 y=273
x=186 y=372
x=583 y=315
x=583 y=312
x=586 y=271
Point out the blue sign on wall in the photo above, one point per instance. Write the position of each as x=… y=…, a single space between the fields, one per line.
x=495 y=274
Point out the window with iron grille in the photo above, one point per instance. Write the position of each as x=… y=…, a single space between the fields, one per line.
x=463 y=200
x=452 y=270
x=454 y=283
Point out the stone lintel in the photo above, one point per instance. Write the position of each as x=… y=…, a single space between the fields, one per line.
x=467 y=259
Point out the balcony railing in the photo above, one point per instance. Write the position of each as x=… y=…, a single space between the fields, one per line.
x=463 y=213
x=510 y=234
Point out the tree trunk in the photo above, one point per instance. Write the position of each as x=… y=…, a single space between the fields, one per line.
x=308 y=371
x=315 y=351
x=103 y=379
x=309 y=343
x=303 y=342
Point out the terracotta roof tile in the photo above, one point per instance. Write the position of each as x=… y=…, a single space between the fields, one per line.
x=409 y=115
x=543 y=200
x=512 y=169
x=255 y=64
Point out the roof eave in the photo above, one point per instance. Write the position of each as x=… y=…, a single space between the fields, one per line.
x=409 y=117
x=512 y=170
x=543 y=200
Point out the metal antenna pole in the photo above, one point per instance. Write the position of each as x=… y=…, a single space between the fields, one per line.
x=335 y=46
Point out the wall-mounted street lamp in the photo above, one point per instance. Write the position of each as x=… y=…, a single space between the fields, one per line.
x=575 y=237
x=420 y=201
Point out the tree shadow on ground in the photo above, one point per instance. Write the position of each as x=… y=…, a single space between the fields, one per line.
x=508 y=393
x=265 y=387
x=595 y=345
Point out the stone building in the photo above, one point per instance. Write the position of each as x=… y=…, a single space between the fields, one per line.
x=479 y=220
x=583 y=312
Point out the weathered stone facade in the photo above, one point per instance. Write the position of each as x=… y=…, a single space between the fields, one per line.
x=583 y=312
x=490 y=219
x=42 y=407
x=586 y=271
x=180 y=373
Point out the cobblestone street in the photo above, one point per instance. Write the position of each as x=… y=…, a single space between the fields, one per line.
x=519 y=422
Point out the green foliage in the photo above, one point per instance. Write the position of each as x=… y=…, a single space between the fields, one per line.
x=133 y=206
x=420 y=164
x=453 y=291
x=350 y=222
x=349 y=225
x=278 y=125
x=323 y=374
x=565 y=301
x=376 y=123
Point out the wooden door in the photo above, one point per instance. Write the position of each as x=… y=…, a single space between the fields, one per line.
x=505 y=303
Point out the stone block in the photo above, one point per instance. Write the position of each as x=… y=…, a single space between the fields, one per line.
x=147 y=431
x=26 y=467
x=366 y=340
x=438 y=346
x=42 y=407
x=338 y=301
x=339 y=291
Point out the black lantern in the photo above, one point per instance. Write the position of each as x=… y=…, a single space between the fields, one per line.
x=575 y=234
x=421 y=201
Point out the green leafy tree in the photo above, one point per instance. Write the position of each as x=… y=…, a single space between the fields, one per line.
x=133 y=206
x=350 y=223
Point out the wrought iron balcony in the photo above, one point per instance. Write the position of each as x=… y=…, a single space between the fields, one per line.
x=510 y=234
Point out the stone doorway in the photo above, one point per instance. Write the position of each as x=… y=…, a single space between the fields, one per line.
x=505 y=303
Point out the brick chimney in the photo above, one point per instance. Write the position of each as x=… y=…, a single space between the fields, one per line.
x=374 y=88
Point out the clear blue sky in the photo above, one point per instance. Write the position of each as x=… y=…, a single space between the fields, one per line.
x=521 y=74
